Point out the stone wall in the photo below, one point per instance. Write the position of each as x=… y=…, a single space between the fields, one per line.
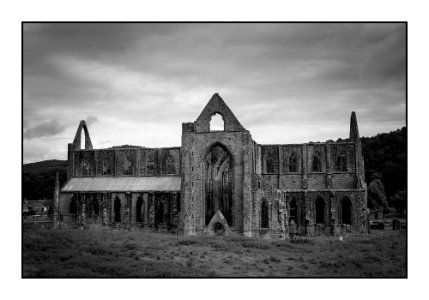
x=125 y=162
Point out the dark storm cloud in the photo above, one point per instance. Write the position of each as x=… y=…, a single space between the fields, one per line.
x=143 y=80
x=46 y=129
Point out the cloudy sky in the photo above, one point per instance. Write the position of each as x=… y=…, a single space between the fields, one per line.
x=136 y=83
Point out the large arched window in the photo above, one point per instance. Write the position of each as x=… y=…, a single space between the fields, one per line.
x=293 y=211
x=317 y=163
x=341 y=162
x=293 y=163
x=117 y=209
x=139 y=212
x=218 y=185
x=346 y=211
x=320 y=210
x=264 y=214
x=92 y=209
x=217 y=123
x=170 y=165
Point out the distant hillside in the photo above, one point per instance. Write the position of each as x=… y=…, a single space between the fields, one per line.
x=38 y=179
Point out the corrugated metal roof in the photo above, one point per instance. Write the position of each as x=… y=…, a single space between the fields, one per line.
x=123 y=184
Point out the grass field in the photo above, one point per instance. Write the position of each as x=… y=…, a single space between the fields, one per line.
x=84 y=253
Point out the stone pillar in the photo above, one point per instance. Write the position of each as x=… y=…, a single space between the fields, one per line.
x=83 y=210
x=151 y=215
x=145 y=209
x=105 y=220
x=309 y=226
x=127 y=217
x=283 y=232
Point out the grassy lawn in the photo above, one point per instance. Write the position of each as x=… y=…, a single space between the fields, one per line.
x=84 y=253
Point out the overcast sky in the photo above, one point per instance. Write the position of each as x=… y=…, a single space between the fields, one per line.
x=136 y=83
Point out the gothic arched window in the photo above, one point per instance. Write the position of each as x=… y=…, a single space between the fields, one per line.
x=346 y=211
x=218 y=183
x=341 y=163
x=293 y=163
x=117 y=209
x=73 y=206
x=170 y=166
x=320 y=210
x=264 y=214
x=139 y=206
x=293 y=211
x=217 y=123
x=317 y=163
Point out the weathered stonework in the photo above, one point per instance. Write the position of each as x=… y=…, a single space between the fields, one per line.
x=228 y=184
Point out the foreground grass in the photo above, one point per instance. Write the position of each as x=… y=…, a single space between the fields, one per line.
x=82 y=253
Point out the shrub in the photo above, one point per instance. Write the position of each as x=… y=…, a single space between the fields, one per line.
x=274 y=259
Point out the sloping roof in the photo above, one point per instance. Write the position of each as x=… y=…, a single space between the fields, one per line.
x=123 y=184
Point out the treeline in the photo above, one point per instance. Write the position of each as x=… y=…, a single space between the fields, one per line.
x=38 y=179
x=385 y=157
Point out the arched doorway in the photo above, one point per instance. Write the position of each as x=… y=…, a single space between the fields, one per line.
x=320 y=210
x=293 y=211
x=73 y=206
x=219 y=183
x=264 y=214
x=346 y=211
x=218 y=229
x=117 y=209
x=161 y=213
x=139 y=209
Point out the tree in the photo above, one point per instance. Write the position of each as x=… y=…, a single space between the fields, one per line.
x=399 y=200
x=376 y=195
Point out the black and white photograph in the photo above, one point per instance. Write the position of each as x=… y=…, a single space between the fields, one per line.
x=214 y=150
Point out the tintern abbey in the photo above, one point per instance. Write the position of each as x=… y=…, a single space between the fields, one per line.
x=218 y=182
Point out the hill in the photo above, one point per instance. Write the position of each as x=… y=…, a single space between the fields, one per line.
x=38 y=179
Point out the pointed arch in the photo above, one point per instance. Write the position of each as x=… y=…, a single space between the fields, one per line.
x=160 y=212
x=346 y=211
x=320 y=210
x=117 y=209
x=77 y=139
x=341 y=162
x=217 y=122
x=293 y=211
x=293 y=162
x=139 y=211
x=73 y=206
x=264 y=214
x=219 y=179
x=217 y=105
x=317 y=162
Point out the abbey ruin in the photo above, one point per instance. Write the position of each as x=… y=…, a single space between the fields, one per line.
x=217 y=182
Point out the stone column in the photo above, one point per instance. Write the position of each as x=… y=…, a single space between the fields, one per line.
x=83 y=210
x=145 y=209
x=151 y=215
x=105 y=219
x=127 y=210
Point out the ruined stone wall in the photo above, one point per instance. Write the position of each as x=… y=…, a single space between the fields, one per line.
x=292 y=166
x=125 y=162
